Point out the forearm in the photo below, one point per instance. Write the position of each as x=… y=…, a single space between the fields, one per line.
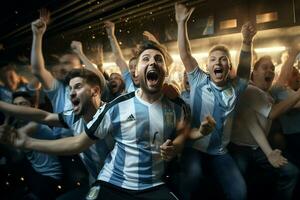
x=38 y=63
x=184 y=47
x=64 y=146
x=120 y=61
x=249 y=118
x=37 y=59
x=179 y=142
x=245 y=61
x=29 y=114
x=287 y=69
x=283 y=106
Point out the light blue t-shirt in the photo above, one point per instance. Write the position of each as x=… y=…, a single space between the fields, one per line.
x=94 y=157
x=59 y=95
x=45 y=164
x=139 y=129
x=209 y=99
x=129 y=85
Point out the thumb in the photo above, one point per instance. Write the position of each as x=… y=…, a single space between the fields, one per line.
x=168 y=142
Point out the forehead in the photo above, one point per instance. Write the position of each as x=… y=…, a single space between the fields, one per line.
x=76 y=80
x=266 y=62
x=114 y=75
x=68 y=57
x=218 y=53
x=151 y=52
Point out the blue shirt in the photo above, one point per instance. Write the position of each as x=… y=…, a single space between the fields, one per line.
x=139 y=128
x=93 y=158
x=209 y=99
x=6 y=94
x=45 y=164
x=129 y=85
x=59 y=95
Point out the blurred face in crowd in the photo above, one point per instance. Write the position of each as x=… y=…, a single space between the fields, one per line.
x=151 y=70
x=10 y=79
x=186 y=83
x=294 y=81
x=218 y=67
x=263 y=75
x=116 y=83
x=21 y=101
x=132 y=69
x=67 y=63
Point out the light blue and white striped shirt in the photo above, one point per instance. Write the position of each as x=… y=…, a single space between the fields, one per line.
x=209 y=99
x=129 y=85
x=94 y=157
x=59 y=95
x=139 y=129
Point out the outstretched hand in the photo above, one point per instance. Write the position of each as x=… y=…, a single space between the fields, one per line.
x=182 y=12
x=11 y=136
x=276 y=159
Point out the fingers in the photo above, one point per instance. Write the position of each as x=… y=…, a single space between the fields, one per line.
x=45 y=15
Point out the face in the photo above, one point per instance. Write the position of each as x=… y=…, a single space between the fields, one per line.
x=132 y=69
x=80 y=94
x=21 y=101
x=11 y=79
x=151 y=70
x=186 y=82
x=66 y=63
x=218 y=67
x=115 y=83
x=294 y=81
x=263 y=76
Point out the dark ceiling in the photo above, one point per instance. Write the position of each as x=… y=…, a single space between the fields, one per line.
x=80 y=20
x=83 y=20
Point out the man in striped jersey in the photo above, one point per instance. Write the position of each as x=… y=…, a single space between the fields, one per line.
x=215 y=94
x=85 y=95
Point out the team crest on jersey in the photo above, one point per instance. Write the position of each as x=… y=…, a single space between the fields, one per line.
x=93 y=193
x=228 y=92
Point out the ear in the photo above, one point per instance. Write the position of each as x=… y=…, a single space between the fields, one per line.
x=96 y=91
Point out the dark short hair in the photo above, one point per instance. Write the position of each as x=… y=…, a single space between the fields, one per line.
x=90 y=77
x=24 y=94
x=147 y=44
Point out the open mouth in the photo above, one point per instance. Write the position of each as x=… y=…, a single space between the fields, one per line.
x=218 y=72
x=75 y=103
x=268 y=79
x=152 y=77
x=113 y=85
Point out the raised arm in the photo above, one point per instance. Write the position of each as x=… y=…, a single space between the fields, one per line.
x=65 y=146
x=77 y=48
x=120 y=60
x=274 y=156
x=182 y=16
x=245 y=60
x=287 y=67
x=37 y=60
x=30 y=114
x=285 y=105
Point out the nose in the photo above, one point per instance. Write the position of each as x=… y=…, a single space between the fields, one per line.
x=152 y=61
x=72 y=94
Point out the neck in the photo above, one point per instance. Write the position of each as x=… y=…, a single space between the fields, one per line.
x=91 y=110
x=150 y=98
